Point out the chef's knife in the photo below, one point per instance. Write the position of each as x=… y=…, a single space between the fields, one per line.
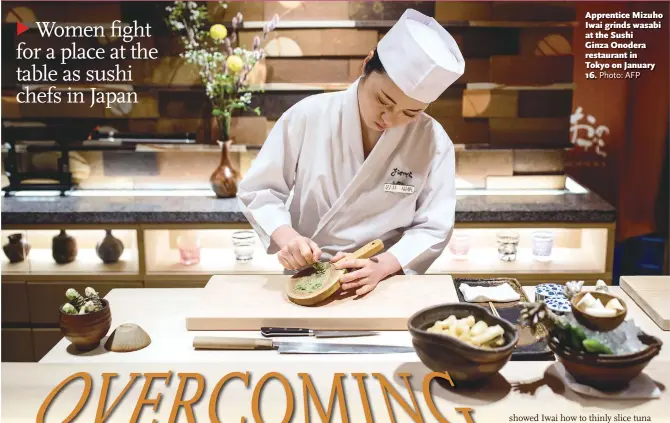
x=270 y=332
x=222 y=343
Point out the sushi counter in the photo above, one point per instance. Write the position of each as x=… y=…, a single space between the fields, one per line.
x=489 y=336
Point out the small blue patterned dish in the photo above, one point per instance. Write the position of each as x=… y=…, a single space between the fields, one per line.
x=546 y=290
x=558 y=304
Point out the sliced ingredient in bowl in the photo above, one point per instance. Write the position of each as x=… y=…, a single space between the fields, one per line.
x=468 y=330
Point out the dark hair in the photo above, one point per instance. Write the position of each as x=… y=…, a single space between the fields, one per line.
x=374 y=65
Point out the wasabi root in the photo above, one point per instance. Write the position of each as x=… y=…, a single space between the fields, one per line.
x=69 y=309
x=93 y=296
x=75 y=298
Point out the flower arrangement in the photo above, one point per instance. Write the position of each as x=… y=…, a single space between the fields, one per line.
x=224 y=66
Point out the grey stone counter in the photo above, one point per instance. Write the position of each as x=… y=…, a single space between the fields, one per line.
x=568 y=208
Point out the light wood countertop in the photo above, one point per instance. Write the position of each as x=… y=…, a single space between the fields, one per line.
x=521 y=389
x=162 y=312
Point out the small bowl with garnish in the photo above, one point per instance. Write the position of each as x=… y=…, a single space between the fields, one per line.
x=599 y=311
x=464 y=339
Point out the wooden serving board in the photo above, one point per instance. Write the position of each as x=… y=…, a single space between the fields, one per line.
x=652 y=295
x=234 y=302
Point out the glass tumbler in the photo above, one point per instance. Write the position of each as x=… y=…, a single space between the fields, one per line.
x=459 y=245
x=508 y=242
x=542 y=244
x=244 y=244
x=189 y=249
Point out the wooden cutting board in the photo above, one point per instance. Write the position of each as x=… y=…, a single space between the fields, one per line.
x=652 y=295
x=234 y=302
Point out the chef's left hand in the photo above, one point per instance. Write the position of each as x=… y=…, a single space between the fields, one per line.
x=363 y=274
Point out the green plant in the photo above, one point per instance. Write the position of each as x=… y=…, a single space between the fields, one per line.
x=224 y=66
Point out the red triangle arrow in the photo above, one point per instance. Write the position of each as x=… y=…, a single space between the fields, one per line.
x=20 y=28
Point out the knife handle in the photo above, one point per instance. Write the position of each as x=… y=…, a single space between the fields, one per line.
x=368 y=250
x=269 y=332
x=222 y=343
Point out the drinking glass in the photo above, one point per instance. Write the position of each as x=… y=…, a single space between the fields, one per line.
x=244 y=244
x=459 y=245
x=542 y=244
x=508 y=241
x=189 y=249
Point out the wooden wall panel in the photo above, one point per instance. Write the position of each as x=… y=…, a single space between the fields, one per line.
x=545 y=103
x=521 y=71
x=315 y=42
x=45 y=339
x=17 y=345
x=14 y=302
x=476 y=70
x=249 y=130
x=533 y=11
x=466 y=131
x=530 y=131
x=146 y=107
x=446 y=11
x=545 y=41
x=387 y=10
x=308 y=70
x=490 y=103
x=43 y=11
x=477 y=42
x=183 y=104
x=307 y=10
x=539 y=161
x=251 y=11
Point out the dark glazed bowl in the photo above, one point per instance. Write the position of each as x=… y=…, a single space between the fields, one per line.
x=603 y=371
x=85 y=331
x=464 y=362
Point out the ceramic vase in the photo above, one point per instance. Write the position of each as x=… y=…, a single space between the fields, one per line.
x=64 y=248
x=16 y=249
x=110 y=248
x=225 y=176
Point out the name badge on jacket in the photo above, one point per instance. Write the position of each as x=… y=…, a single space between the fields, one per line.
x=402 y=189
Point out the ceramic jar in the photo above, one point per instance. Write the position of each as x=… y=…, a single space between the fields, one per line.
x=64 y=248
x=508 y=242
x=110 y=248
x=16 y=249
x=224 y=178
x=546 y=290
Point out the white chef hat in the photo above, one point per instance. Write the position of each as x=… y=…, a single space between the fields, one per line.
x=420 y=56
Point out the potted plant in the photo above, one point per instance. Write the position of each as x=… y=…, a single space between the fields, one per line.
x=224 y=67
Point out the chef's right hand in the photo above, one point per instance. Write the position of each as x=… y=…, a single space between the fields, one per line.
x=296 y=250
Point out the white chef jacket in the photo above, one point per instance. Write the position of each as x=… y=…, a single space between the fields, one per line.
x=311 y=174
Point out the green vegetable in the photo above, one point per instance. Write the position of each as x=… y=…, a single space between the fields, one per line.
x=594 y=346
x=69 y=309
x=75 y=298
x=94 y=298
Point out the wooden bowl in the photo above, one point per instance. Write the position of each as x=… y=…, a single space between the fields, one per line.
x=464 y=362
x=601 y=324
x=85 y=331
x=603 y=371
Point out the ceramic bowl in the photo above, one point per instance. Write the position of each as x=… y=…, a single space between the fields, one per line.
x=559 y=304
x=546 y=290
x=465 y=363
x=602 y=371
x=85 y=331
x=602 y=324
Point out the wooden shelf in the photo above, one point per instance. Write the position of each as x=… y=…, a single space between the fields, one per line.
x=41 y=262
x=385 y=24
x=215 y=261
x=485 y=260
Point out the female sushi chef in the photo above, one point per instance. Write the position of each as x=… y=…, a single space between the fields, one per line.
x=341 y=169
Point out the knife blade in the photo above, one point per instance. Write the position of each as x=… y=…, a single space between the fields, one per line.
x=224 y=343
x=270 y=332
